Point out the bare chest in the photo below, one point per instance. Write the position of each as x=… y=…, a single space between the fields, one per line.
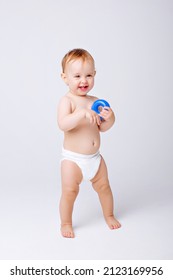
x=82 y=103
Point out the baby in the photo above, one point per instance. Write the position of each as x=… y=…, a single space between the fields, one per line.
x=81 y=159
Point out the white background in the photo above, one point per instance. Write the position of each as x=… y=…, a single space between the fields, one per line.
x=131 y=42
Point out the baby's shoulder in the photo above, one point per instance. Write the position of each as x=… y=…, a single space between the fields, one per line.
x=66 y=102
x=92 y=97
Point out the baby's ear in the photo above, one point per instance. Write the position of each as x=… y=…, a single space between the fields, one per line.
x=63 y=76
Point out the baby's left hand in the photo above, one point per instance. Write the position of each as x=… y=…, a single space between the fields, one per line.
x=106 y=113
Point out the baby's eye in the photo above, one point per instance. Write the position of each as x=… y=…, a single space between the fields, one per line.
x=77 y=76
x=89 y=75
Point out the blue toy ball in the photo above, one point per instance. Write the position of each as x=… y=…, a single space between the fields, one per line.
x=99 y=103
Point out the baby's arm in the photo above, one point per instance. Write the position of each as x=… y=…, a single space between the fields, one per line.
x=109 y=119
x=68 y=120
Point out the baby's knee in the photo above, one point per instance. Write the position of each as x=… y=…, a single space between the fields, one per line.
x=70 y=192
x=101 y=187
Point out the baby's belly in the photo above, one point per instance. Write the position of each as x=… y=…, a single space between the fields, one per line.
x=83 y=141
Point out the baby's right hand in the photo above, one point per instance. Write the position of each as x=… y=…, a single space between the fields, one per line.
x=92 y=116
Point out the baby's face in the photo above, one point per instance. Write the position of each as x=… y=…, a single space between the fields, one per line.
x=79 y=76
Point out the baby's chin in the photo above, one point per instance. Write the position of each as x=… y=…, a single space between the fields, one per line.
x=82 y=92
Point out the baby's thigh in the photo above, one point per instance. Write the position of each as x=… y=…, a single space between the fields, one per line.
x=101 y=177
x=71 y=174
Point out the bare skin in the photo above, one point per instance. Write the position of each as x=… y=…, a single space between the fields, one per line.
x=71 y=178
x=82 y=127
x=101 y=186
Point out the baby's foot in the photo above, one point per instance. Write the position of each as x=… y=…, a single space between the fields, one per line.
x=67 y=231
x=112 y=222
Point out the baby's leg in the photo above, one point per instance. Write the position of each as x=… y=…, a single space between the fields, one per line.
x=71 y=177
x=101 y=185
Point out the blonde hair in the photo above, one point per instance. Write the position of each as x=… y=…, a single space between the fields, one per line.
x=76 y=54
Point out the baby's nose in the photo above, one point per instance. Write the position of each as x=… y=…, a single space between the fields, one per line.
x=83 y=80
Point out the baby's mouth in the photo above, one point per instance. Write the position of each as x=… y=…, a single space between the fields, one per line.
x=83 y=87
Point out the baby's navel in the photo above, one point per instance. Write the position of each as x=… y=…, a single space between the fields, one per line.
x=94 y=143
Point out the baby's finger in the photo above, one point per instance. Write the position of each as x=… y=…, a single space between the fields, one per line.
x=98 y=120
x=104 y=113
x=92 y=119
x=106 y=108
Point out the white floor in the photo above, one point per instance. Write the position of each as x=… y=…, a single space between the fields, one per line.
x=30 y=226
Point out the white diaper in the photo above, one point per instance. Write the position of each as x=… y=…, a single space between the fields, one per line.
x=89 y=164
